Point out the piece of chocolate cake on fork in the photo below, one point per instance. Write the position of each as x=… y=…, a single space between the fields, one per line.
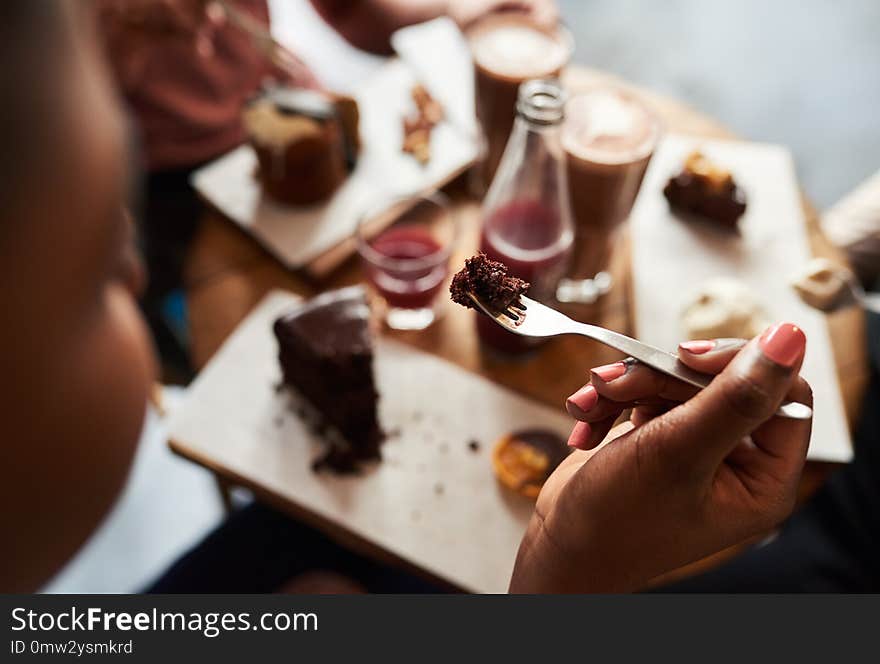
x=487 y=280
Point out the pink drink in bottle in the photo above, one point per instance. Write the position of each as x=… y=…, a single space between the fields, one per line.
x=526 y=216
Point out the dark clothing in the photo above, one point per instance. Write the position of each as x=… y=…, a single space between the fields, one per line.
x=170 y=219
x=166 y=228
x=258 y=550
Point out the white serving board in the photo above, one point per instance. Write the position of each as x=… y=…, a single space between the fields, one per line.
x=439 y=54
x=466 y=531
x=298 y=235
x=671 y=258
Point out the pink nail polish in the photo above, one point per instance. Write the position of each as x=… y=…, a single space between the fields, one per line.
x=582 y=401
x=783 y=343
x=609 y=372
x=697 y=347
x=580 y=435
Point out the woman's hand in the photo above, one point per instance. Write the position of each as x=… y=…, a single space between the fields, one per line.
x=688 y=475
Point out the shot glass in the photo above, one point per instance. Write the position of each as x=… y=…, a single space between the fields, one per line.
x=406 y=264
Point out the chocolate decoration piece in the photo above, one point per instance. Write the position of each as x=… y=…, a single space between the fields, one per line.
x=704 y=190
x=417 y=127
x=326 y=354
x=489 y=281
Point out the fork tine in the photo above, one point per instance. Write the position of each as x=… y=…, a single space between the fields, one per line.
x=505 y=318
x=517 y=311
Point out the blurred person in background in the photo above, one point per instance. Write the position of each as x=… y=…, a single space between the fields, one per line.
x=185 y=70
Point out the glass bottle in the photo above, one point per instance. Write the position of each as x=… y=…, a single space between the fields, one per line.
x=526 y=218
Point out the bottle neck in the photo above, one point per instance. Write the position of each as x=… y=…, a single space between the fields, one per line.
x=541 y=102
x=539 y=115
x=527 y=204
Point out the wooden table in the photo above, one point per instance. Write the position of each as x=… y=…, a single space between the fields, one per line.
x=228 y=273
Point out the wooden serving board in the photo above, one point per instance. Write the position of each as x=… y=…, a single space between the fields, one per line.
x=432 y=502
x=317 y=238
x=671 y=258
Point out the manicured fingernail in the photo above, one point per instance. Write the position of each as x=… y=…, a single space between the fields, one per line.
x=783 y=343
x=697 y=347
x=580 y=436
x=609 y=372
x=582 y=401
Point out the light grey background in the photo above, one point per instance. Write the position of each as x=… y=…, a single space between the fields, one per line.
x=805 y=74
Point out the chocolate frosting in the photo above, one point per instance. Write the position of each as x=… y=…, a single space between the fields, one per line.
x=333 y=324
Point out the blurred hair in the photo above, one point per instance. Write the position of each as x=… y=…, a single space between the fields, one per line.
x=32 y=37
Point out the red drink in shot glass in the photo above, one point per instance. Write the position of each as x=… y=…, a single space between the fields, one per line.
x=407 y=264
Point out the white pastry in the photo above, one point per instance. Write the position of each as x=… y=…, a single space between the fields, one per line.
x=820 y=284
x=722 y=308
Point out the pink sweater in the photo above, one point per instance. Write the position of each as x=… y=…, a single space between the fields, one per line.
x=186 y=100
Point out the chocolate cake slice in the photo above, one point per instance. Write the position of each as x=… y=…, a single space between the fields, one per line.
x=326 y=353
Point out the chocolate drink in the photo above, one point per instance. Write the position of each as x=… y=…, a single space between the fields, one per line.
x=608 y=138
x=508 y=50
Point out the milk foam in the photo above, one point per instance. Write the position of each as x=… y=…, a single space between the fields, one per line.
x=517 y=50
x=607 y=127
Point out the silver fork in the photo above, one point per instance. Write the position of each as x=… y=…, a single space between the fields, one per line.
x=529 y=318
